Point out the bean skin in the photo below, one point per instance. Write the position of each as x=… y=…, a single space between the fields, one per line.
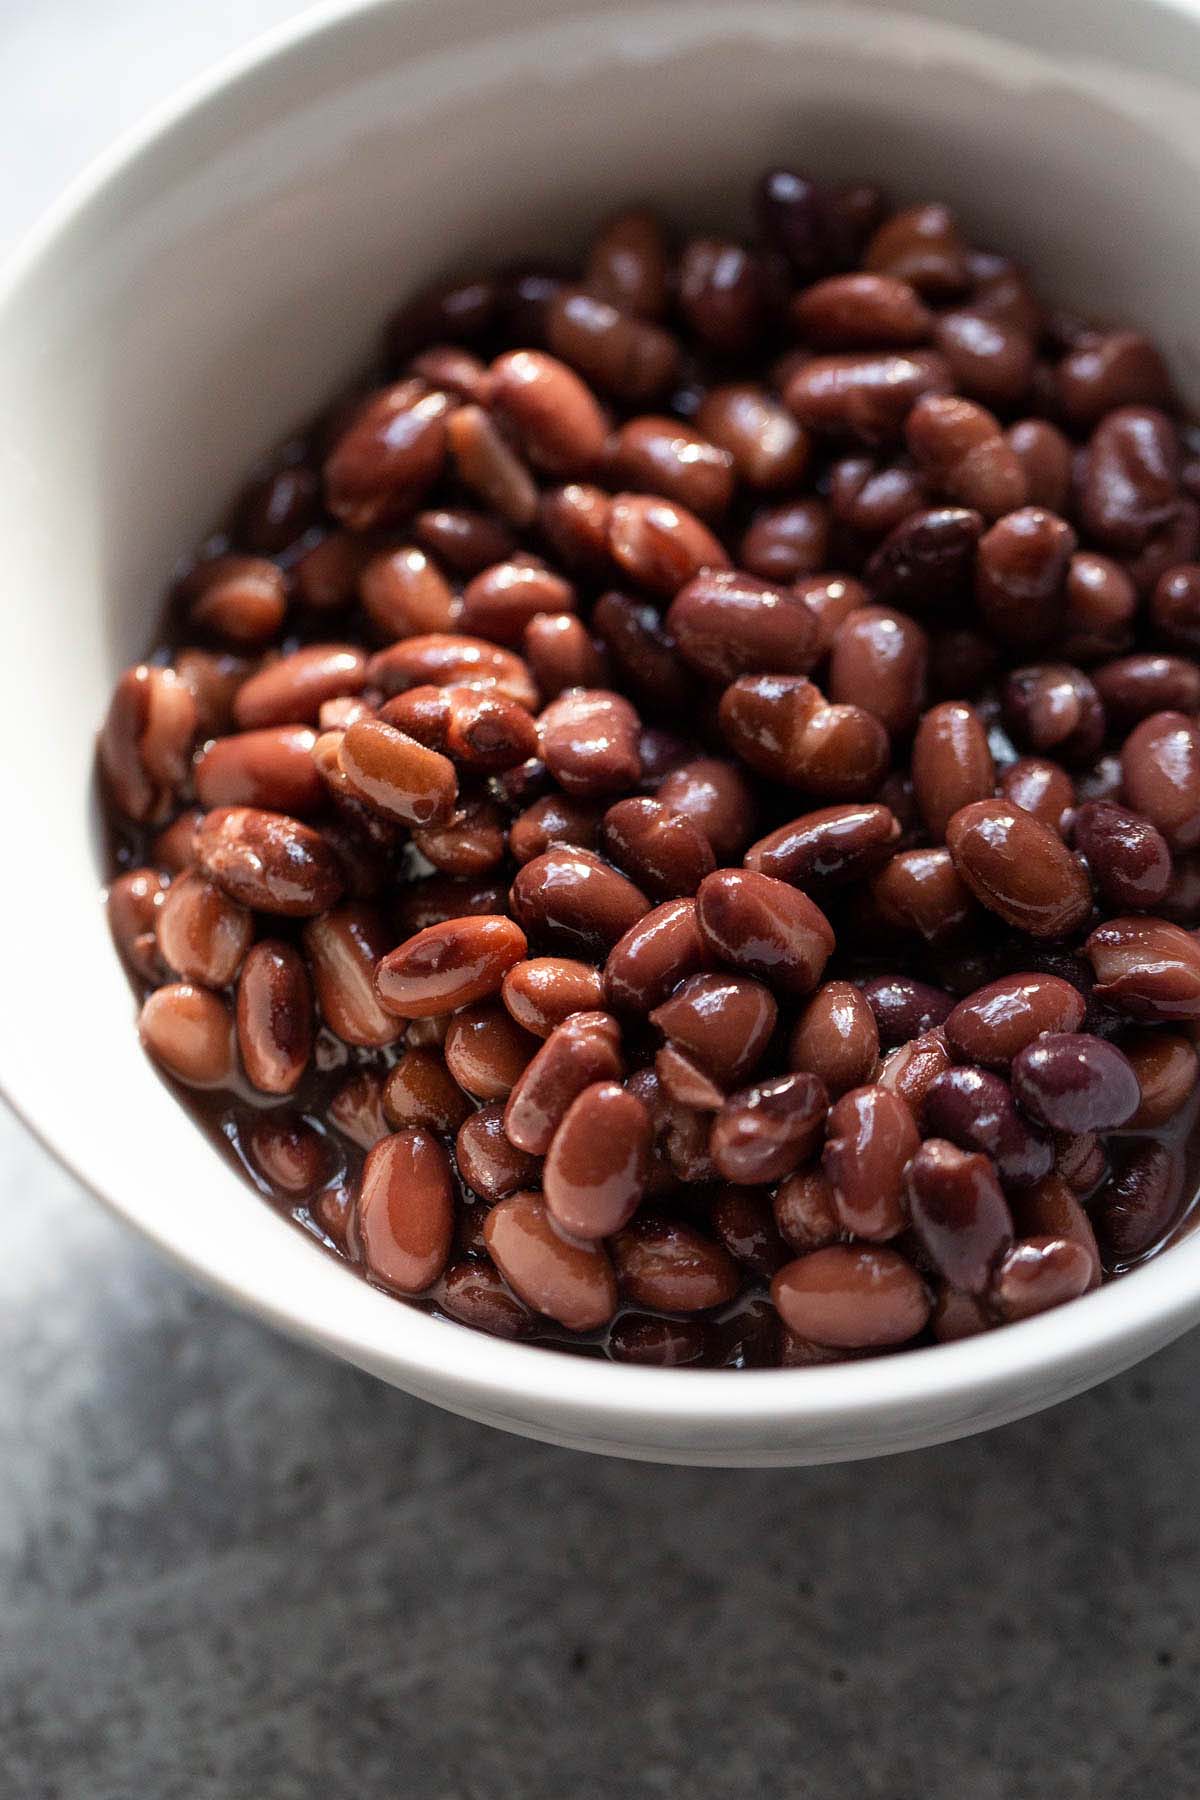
x=388 y=457
x=996 y=1022
x=670 y=1267
x=1128 y=858
x=443 y=658
x=571 y=898
x=448 y=965
x=660 y=545
x=571 y=1282
x=904 y=1008
x=272 y=768
x=804 y=1211
x=1019 y=869
x=910 y=1069
x=133 y=904
x=598 y=1162
x=834 y=844
x=870 y=1137
x=717 y=798
x=974 y=1109
x=1073 y=1081
x=589 y=742
x=1136 y=1205
x=958 y=1212
x=728 y=624
x=852 y=1297
x=765 y=928
x=406 y=1211
x=561 y=654
x=1147 y=969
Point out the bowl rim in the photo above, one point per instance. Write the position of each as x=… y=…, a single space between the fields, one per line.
x=525 y=1384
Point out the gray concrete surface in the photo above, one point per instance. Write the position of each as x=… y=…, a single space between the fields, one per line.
x=232 y=1570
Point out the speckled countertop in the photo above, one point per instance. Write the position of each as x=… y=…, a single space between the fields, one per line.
x=232 y=1570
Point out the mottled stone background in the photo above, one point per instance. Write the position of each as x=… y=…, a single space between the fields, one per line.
x=231 y=1570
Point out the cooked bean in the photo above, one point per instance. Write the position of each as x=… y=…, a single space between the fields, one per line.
x=1055 y=709
x=488 y=1161
x=1146 y=968
x=442 y=659
x=462 y=541
x=287 y=1152
x=668 y=1266
x=274 y=1017
x=657 y=952
x=721 y=294
x=662 y=851
x=1043 y=788
x=555 y=819
x=571 y=898
x=963 y=454
x=804 y=1210
x=1021 y=572
x=479 y=729
x=1167 y=1070
x=550 y=411
x=904 y=1008
x=974 y=1108
x=836 y=1038
x=870 y=1137
x=744 y=1224
x=1052 y=1210
x=270 y=768
x=729 y=624
x=1037 y=1274
x=571 y=1282
x=1139 y=1201
x=357 y=1109
x=717 y=798
x=879 y=662
x=174 y=847
x=1018 y=868
x=958 y=1212
x=867 y=394
x=598 y=1162
x=397 y=775
x=133 y=904
x=1119 y=368
x=926 y=559
x=448 y=965
x=561 y=654
x=852 y=1297
x=499 y=602
x=403 y=593
x=146 y=740
x=861 y=311
x=764 y=927
x=202 y=934
x=787 y=543
x=1045 y=455
x=1175 y=607
x=626 y=357
x=770 y=450
x=764 y=1132
x=722 y=1022
x=911 y=1068
x=783 y=728
x=1130 y=485
x=545 y=990
x=584 y=1049
x=996 y=1022
x=486 y=1051
x=627 y=264
x=835 y=844
x=990 y=358
x=589 y=742
x=489 y=467
x=268 y=861
x=290 y=691
x=1081 y=1162
x=659 y=544
x=406 y=1211
x=190 y=1031
x=1101 y=604
x=660 y=1342
x=951 y=763
x=1160 y=773
x=921 y=891
x=474 y=1294
x=1133 y=687
x=344 y=947
x=241 y=598
x=1128 y=858
x=470 y=842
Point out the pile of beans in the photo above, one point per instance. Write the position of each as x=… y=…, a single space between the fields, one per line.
x=669 y=820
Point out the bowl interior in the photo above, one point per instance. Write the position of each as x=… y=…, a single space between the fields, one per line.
x=210 y=291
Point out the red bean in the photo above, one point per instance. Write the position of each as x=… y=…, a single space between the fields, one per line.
x=764 y=1132
x=861 y=311
x=561 y=654
x=388 y=457
x=911 y=1068
x=974 y=1109
x=448 y=965
x=627 y=264
x=962 y=453
x=722 y=1022
x=659 y=544
x=920 y=891
x=290 y=691
x=545 y=990
x=241 y=598
x=397 y=775
x=1128 y=858
x=1018 y=868
x=442 y=659
x=406 y=1211
x=488 y=1161
x=658 y=951
x=1167 y=1070
x=584 y=1049
x=589 y=742
x=357 y=1109
x=765 y=928
x=189 y=1030
x=551 y=412
x=717 y=798
x=268 y=861
x=1109 y=370
x=852 y=1298
x=951 y=763
x=146 y=740
x=133 y=904
x=272 y=768
x=770 y=450
x=1037 y=1274
x=904 y=1008
x=344 y=947
x=878 y=662
x=662 y=851
x=474 y=1294
x=1146 y=968
x=834 y=844
x=571 y=898
x=804 y=1211
x=1138 y=1203
x=926 y=558
x=488 y=466
x=836 y=1038
x=1160 y=772
x=867 y=394
x=871 y=1136
x=1042 y=788
x=670 y=1267
x=787 y=543
x=598 y=1162
x=570 y=1282
x=729 y=624
x=996 y=1022
x=202 y=934
x=958 y=1212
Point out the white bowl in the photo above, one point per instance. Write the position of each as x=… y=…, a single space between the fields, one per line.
x=230 y=262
